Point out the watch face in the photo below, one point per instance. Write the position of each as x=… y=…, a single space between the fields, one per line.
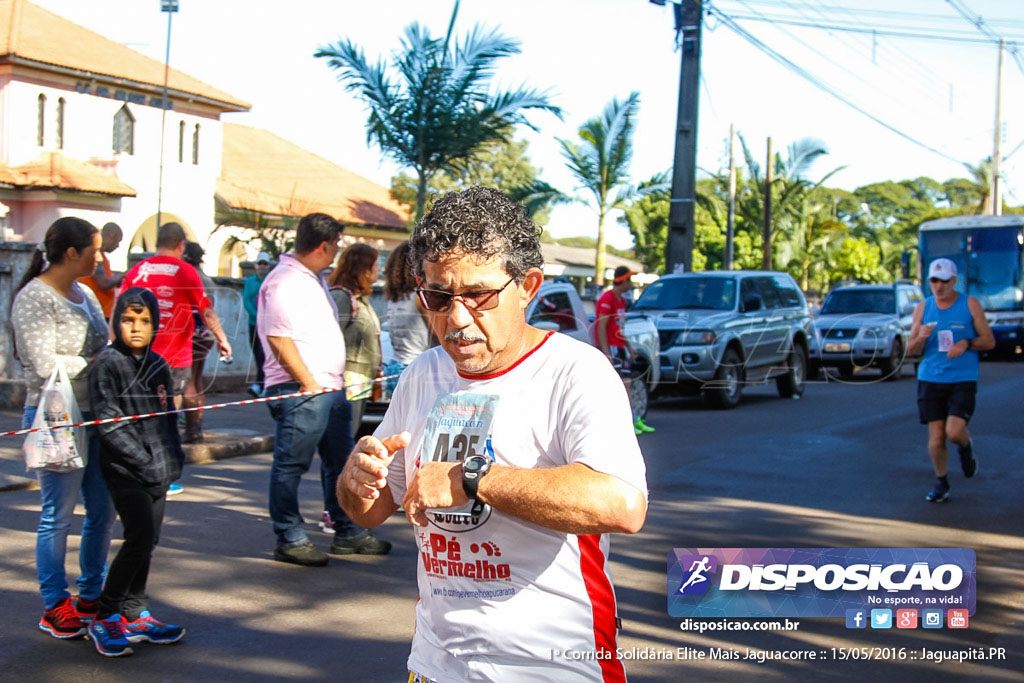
x=472 y=465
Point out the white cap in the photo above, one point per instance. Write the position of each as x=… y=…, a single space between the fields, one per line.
x=263 y=257
x=942 y=268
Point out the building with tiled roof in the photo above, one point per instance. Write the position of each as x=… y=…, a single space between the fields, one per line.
x=81 y=133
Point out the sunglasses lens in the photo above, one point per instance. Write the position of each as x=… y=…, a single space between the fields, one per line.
x=435 y=301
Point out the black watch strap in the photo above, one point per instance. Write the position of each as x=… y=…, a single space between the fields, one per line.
x=473 y=470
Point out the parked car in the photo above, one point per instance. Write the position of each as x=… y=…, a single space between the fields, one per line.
x=722 y=330
x=864 y=326
x=558 y=307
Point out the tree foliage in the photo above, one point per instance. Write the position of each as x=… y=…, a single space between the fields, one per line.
x=434 y=107
x=502 y=164
x=600 y=163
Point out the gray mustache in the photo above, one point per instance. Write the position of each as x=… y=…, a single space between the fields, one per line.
x=460 y=336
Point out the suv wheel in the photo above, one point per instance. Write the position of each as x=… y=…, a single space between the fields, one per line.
x=639 y=395
x=892 y=366
x=792 y=383
x=725 y=389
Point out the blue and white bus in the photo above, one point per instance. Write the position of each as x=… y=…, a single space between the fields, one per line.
x=989 y=255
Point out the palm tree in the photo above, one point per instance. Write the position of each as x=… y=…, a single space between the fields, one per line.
x=439 y=109
x=601 y=164
x=981 y=176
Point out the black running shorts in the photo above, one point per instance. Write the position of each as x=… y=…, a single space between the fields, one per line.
x=937 y=401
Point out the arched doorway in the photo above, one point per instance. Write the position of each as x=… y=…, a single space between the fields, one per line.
x=144 y=238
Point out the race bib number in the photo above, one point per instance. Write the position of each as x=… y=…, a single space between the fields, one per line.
x=459 y=425
x=945 y=340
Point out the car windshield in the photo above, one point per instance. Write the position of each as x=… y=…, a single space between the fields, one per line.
x=714 y=293
x=860 y=301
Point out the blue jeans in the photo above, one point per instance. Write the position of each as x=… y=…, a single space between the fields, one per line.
x=304 y=426
x=60 y=495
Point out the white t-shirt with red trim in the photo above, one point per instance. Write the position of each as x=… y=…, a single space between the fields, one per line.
x=500 y=598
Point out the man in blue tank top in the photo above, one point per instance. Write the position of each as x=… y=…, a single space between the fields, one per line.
x=953 y=329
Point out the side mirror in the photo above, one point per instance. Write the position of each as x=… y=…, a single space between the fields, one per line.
x=908 y=309
x=752 y=303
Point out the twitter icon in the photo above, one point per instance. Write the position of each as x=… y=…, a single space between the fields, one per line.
x=881 y=618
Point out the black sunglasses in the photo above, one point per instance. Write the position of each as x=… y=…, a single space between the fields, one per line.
x=933 y=280
x=479 y=300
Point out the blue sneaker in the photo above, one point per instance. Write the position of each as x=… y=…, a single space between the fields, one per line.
x=174 y=489
x=109 y=636
x=151 y=630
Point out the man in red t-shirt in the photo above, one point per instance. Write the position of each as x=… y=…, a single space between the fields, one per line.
x=178 y=290
x=610 y=316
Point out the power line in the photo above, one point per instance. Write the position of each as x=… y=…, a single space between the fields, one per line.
x=979 y=21
x=803 y=73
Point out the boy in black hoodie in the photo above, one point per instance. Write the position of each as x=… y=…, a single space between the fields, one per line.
x=139 y=460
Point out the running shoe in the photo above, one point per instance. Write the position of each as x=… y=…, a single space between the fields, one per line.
x=642 y=426
x=303 y=554
x=968 y=463
x=62 y=620
x=326 y=525
x=939 y=494
x=108 y=635
x=86 y=609
x=151 y=630
x=174 y=489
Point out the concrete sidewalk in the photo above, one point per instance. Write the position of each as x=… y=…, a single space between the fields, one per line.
x=230 y=432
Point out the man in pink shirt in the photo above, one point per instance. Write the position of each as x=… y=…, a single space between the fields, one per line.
x=298 y=326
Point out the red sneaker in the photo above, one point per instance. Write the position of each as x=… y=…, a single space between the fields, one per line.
x=62 y=621
x=86 y=609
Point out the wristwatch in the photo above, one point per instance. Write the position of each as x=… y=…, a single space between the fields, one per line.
x=970 y=344
x=473 y=470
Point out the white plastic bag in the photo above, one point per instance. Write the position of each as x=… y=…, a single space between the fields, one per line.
x=62 y=449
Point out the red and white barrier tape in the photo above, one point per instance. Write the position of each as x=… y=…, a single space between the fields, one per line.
x=246 y=402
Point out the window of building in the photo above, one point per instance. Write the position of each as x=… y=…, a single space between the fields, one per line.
x=124 y=131
x=61 y=103
x=181 y=141
x=41 y=121
x=195 y=145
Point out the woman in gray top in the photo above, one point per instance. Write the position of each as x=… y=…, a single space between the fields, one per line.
x=406 y=323
x=351 y=285
x=56 y=320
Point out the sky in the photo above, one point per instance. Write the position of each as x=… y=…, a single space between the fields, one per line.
x=585 y=52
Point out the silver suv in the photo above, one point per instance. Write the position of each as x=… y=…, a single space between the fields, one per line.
x=865 y=325
x=720 y=330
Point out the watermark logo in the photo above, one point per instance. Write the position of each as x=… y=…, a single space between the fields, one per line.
x=906 y=618
x=956 y=618
x=696 y=580
x=856 y=618
x=819 y=582
x=931 y=618
x=881 y=618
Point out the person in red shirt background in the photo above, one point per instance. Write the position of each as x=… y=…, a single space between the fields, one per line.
x=178 y=290
x=610 y=316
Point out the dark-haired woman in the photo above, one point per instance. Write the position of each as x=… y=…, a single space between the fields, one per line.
x=56 y=320
x=351 y=285
x=406 y=323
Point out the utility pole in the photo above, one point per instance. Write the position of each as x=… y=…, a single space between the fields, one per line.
x=689 y=16
x=730 y=221
x=997 y=203
x=169 y=6
x=769 y=178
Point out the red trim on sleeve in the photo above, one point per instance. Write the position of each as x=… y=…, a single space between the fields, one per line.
x=602 y=601
x=514 y=365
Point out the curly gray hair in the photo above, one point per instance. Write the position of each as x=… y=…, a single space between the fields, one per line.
x=481 y=222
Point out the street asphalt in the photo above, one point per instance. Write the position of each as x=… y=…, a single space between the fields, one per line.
x=845 y=466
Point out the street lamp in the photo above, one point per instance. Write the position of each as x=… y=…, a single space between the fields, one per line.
x=169 y=6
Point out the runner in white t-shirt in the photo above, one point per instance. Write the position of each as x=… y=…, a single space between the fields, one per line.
x=513 y=576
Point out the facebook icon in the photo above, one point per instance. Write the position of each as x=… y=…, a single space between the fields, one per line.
x=856 y=618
